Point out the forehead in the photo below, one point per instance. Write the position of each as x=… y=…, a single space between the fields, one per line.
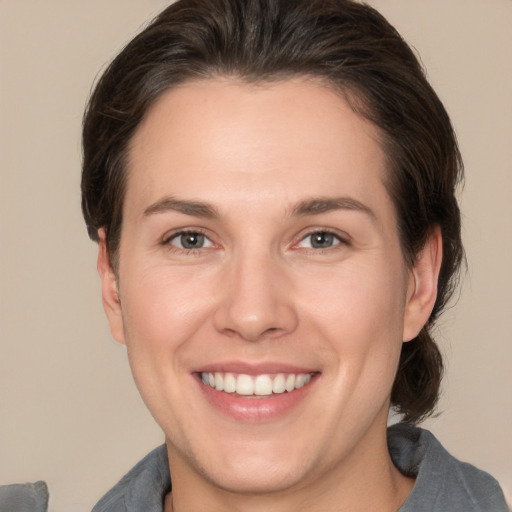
x=231 y=142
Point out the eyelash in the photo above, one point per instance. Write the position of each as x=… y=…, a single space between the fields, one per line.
x=338 y=240
x=168 y=239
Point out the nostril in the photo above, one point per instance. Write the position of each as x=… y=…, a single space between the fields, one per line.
x=253 y=307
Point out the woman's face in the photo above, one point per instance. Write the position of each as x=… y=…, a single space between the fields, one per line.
x=263 y=295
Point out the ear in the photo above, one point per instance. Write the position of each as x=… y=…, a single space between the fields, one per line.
x=109 y=290
x=422 y=287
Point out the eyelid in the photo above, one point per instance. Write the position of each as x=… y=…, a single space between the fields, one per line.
x=168 y=237
x=341 y=237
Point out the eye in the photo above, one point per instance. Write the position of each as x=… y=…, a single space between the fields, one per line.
x=320 y=240
x=190 y=240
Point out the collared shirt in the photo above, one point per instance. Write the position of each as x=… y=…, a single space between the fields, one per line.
x=443 y=483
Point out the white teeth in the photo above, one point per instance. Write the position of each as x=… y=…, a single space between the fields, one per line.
x=229 y=383
x=279 y=384
x=244 y=385
x=263 y=385
x=260 y=385
x=290 y=382
x=302 y=380
x=219 y=382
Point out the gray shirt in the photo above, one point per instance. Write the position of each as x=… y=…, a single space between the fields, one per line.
x=442 y=482
x=29 y=497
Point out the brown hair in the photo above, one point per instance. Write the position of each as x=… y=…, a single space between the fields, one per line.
x=346 y=44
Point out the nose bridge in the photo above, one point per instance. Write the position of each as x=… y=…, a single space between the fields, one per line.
x=256 y=301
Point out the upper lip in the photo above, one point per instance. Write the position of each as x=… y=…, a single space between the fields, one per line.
x=253 y=369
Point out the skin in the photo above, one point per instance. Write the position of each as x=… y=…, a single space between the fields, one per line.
x=258 y=292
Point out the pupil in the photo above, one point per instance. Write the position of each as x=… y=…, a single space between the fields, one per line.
x=322 y=240
x=192 y=240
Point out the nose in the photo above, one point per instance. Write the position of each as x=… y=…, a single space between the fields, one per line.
x=256 y=300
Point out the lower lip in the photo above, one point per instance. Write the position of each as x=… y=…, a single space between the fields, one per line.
x=255 y=409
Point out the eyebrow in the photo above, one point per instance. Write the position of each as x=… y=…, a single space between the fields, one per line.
x=192 y=208
x=314 y=206
x=320 y=205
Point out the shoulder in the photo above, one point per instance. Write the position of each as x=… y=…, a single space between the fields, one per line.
x=29 y=497
x=142 y=488
x=442 y=482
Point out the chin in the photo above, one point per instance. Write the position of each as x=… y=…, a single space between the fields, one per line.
x=239 y=467
x=257 y=477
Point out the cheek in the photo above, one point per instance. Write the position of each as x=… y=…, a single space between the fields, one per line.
x=359 y=314
x=160 y=315
x=161 y=312
x=362 y=297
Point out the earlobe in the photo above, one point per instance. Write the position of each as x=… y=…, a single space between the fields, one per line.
x=109 y=290
x=422 y=289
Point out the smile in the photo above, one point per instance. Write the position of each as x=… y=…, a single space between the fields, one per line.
x=257 y=385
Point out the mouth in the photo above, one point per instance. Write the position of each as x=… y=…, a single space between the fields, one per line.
x=256 y=393
x=263 y=385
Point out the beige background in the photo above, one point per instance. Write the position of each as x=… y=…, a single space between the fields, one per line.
x=69 y=413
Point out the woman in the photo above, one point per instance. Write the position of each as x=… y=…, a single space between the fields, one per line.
x=272 y=186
